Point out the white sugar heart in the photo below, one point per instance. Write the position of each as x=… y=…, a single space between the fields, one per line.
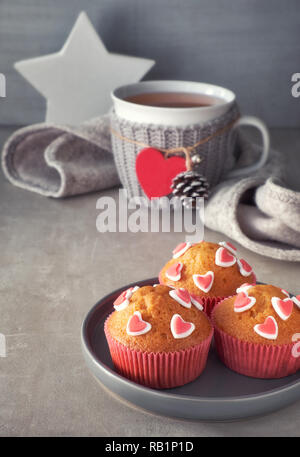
x=296 y=300
x=283 y=308
x=223 y=258
x=181 y=296
x=174 y=271
x=204 y=282
x=296 y=350
x=197 y=302
x=285 y=292
x=122 y=305
x=123 y=300
x=181 y=328
x=229 y=246
x=296 y=346
x=245 y=268
x=244 y=287
x=296 y=337
x=243 y=302
x=181 y=249
x=136 y=325
x=268 y=329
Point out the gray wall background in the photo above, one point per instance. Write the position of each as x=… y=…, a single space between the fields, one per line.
x=250 y=46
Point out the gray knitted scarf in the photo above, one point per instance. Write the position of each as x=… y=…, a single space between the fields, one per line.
x=257 y=211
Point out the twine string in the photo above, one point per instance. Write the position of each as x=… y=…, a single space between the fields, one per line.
x=186 y=150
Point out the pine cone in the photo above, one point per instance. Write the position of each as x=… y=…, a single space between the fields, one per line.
x=188 y=185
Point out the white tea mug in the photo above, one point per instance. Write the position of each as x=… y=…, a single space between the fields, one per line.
x=219 y=99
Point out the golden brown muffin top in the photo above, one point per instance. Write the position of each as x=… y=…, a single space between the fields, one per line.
x=244 y=315
x=200 y=259
x=157 y=308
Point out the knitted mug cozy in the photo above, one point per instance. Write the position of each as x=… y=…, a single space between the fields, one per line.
x=217 y=154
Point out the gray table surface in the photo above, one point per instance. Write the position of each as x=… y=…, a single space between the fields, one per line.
x=54 y=266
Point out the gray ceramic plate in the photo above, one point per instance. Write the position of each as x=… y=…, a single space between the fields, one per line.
x=218 y=394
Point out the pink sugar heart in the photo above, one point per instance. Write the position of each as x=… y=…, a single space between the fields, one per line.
x=296 y=350
x=182 y=296
x=120 y=298
x=224 y=258
x=174 y=271
x=180 y=249
x=283 y=308
x=121 y=302
x=296 y=337
x=296 y=346
x=197 y=302
x=180 y=328
x=245 y=268
x=204 y=282
x=244 y=287
x=228 y=246
x=285 y=292
x=243 y=302
x=136 y=326
x=123 y=299
x=268 y=329
x=296 y=300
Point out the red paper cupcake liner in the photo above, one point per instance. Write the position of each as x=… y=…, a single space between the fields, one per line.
x=209 y=303
x=160 y=370
x=254 y=359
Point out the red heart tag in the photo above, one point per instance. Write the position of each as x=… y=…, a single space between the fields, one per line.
x=204 y=282
x=224 y=258
x=181 y=296
x=174 y=271
x=180 y=328
x=268 y=329
x=136 y=326
x=243 y=302
x=155 y=173
x=283 y=308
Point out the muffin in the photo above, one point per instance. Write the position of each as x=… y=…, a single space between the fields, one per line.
x=157 y=337
x=209 y=271
x=257 y=332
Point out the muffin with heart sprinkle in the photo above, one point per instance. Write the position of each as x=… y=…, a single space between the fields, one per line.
x=257 y=331
x=157 y=337
x=209 y=271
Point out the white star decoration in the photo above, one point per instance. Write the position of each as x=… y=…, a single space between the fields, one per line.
x=78 y=79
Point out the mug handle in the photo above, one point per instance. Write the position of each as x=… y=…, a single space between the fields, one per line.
x=255 y=122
